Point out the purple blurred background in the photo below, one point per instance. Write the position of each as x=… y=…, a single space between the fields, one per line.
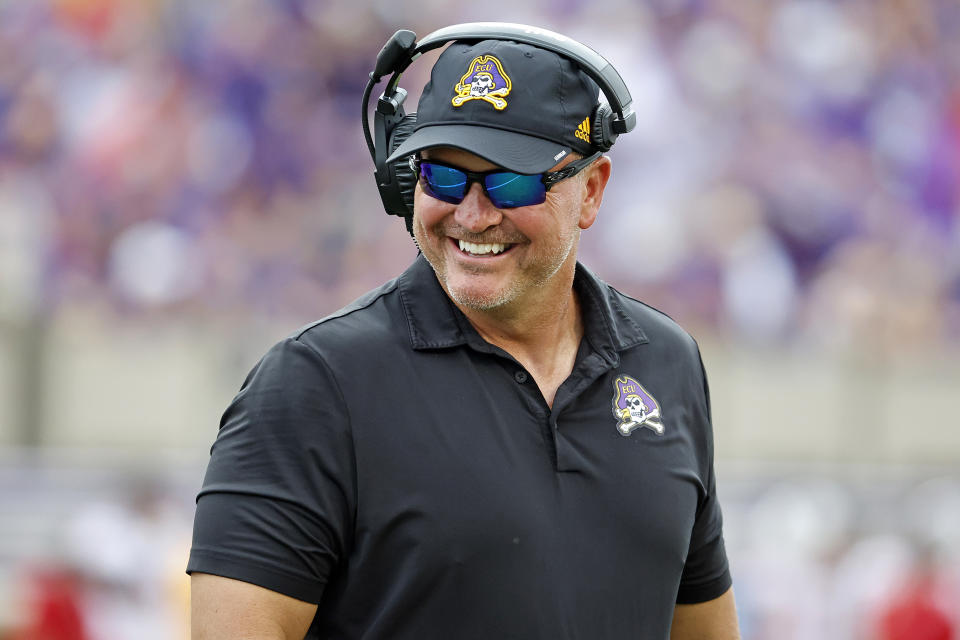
x=184 y=182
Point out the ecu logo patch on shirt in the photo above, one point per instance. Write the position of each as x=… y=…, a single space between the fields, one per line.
x=634 y=407
x=484 y=80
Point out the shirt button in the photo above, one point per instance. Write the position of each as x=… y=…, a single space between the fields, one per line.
x=520 y=376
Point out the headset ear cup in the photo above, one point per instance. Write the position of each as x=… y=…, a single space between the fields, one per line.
x=403 y=175
x=602 y=135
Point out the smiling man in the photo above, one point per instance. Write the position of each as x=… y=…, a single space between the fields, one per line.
x=496 y=444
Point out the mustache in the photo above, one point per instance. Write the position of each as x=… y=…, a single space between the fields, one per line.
x=460 y=233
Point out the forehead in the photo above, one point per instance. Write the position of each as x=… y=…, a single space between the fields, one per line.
x=459 y=158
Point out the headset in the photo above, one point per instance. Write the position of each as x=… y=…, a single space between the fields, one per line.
x=396 y=180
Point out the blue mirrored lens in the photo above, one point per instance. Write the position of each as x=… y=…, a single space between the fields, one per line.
x=507 y=189
x=443 y=183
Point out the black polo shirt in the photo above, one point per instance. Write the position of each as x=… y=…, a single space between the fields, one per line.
x=389 y=464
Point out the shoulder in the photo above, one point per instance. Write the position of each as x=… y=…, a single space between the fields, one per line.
x=371 y=319
x=660 y=331
x=653 y=320
x=314 y=352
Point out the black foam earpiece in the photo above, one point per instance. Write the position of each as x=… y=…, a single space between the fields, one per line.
x=602 y=135
x=402 y=174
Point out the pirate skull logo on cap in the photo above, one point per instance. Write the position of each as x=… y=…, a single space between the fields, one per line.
x=484 y=80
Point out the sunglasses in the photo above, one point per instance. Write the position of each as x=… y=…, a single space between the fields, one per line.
x=505 y=189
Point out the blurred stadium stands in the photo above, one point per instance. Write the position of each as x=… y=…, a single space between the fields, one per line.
x=183 y=182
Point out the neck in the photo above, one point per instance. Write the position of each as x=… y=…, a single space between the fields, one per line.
x=542 y=335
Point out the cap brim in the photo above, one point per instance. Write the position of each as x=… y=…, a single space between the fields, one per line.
x=514 y=151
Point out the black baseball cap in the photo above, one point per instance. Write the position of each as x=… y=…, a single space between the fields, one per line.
x=516 y=105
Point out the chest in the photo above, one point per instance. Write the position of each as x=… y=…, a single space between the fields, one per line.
x=470 y=463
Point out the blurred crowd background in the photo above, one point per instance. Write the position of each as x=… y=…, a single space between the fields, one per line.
x=184 y=182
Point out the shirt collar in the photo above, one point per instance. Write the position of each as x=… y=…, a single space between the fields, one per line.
x=434 y=322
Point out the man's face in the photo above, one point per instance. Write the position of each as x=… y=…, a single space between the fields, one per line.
x=488 y=258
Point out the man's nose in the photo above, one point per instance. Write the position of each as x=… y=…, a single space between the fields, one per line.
x=476 y=213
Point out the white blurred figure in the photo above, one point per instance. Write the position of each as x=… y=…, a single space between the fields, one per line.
x=758 y=281
x=759 y=287
x=792 y=529
x=829 y=52
x=153 y=264
x=901 y=130
x=717 y=63
x=25 y=213
x=123 y=549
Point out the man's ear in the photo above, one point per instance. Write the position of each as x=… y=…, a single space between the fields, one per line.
x=594 y=183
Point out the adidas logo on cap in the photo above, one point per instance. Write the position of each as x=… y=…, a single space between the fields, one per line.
x=583 y=130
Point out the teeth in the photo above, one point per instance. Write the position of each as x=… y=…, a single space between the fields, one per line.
x=478 y=249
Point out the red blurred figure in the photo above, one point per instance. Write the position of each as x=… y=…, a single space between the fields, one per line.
x=914 y=615
x=53 y=609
